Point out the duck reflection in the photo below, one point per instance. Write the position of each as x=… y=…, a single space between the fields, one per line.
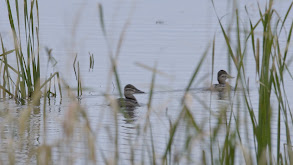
x=223 y=95
x=130 y=114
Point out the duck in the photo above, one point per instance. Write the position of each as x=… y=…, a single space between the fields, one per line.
x=129 y=100
x=223 y=85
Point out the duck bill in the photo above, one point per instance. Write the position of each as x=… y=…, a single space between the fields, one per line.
x=229 y=76
x=139 y=91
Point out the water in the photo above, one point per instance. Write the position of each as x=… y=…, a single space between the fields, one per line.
x=170 y=34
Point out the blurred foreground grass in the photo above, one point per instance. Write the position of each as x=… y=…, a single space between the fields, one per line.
x=22 y=83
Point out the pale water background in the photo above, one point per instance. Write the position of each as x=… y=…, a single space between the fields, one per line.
x=170 y=33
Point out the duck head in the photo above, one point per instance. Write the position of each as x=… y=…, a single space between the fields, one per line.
x=222 y=76
x=130 y=90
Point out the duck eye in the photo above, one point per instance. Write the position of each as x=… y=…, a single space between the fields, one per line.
x=224 y=76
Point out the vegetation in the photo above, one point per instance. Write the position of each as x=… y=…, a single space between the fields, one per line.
x=271 y=63
x=27 y=82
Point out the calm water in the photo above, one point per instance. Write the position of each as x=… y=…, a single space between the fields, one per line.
x=172 y=34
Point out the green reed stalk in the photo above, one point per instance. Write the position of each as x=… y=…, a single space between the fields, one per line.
x=264 y=118
x=151 y=95
x=113 y=60
x=92 y=61
x=29 y=67
x=79 y=87
x=148 y=123
x=210 y=114
x=267 y=77
x=280 y=90
x=6 y=74
x=114 y=70
x=184 y=112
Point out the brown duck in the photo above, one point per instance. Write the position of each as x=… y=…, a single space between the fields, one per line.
x=222 y=77
x=129 y=100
